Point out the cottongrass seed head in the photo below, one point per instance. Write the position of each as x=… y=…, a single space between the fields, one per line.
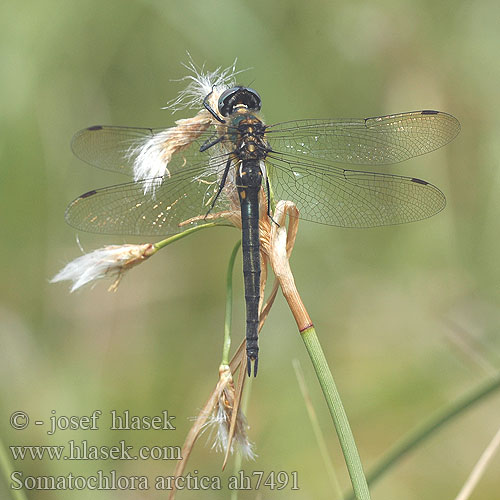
x=201 y=83
x=219 y=421
x=152 y=156
x=108 y=262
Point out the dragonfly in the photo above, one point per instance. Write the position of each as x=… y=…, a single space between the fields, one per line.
x=231 y=163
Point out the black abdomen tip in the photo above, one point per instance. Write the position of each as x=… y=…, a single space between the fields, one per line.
x=255 y=365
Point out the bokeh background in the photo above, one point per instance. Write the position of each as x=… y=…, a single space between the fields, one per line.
x=408 y=316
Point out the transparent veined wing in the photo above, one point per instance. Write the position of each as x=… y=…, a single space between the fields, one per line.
x=370 y=141
x=180 y=202
x=118 y=148
x=350 y=198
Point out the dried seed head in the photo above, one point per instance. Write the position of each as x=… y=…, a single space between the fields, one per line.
x=108 y=262
x=153 y=155
x=219 y=422
x=201 y=83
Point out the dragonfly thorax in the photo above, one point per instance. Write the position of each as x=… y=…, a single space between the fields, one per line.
x=246 y=132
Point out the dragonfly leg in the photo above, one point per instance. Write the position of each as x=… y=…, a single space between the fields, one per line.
x=206 y=145
x=221 y=185
x=209 y=108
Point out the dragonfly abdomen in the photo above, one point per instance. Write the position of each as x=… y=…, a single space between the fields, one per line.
x=248 y=180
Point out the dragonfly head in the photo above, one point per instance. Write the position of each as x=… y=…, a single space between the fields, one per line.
x=231 y=98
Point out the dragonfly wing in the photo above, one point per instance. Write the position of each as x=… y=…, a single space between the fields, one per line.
x=118 y=148
x=349 y=198
x=180 y=202
x=371 y=141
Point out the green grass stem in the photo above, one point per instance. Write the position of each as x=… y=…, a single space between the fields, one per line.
x=229 y=305
x=187 y=232
x=337 y=412
x=7 y=470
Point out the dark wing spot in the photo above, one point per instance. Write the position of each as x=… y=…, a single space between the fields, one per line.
x=429 y=112
x=419 y=181
x=89 y=193
x=95 y=127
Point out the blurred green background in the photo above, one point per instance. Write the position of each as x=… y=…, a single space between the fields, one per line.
x=408 y=316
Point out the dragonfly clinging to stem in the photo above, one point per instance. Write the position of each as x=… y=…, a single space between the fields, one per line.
x=226 y=162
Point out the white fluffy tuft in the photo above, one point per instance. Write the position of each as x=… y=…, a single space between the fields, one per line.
x=108 y=262
x=151 y=157
x=150 y=163
x=201 y=83
x=220 y=421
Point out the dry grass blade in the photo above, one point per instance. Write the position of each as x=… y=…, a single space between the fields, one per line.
x=236 y=409
x=479 y=468
x=192 y=436
x=282 y=243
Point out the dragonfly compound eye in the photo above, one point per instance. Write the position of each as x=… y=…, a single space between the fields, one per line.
x=238 y=96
